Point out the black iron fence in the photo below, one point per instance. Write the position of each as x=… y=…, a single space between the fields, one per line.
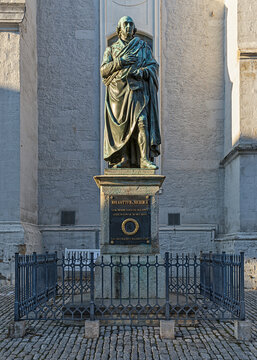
x=35 y=281
x=222 y=280
x=129 y=287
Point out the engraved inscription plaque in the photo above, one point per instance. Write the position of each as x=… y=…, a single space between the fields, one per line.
x=130 y=220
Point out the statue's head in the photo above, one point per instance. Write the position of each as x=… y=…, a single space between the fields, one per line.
x=126 y=28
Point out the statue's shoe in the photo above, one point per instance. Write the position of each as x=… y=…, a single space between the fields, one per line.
x=123 y=164
x=146 y=164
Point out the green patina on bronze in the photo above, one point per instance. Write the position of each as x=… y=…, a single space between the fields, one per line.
x=130 y=73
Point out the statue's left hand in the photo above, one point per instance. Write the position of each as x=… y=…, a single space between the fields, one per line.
x=138 y=74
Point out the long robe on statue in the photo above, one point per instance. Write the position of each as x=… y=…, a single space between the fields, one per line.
x=127 y=98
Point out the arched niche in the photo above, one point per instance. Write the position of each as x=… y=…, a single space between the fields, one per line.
x=146 y=15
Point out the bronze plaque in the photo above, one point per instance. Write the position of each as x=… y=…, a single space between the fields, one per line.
x=130 y=220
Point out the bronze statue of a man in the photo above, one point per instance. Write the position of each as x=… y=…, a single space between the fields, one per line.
x=129 y=71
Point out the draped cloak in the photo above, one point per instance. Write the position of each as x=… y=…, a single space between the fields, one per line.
x=127 y=98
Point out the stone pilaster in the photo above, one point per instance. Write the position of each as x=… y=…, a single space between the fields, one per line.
x=18 y=118
x=240 y=151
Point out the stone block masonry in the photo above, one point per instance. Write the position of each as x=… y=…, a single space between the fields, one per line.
x=18 y=139
x=251 y=274
x=68 y=110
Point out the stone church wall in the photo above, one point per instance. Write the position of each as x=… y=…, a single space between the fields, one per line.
x=10 y=230
x=18 y=140
x=68 y=113
x=10 y=125
x=51 y=111
x=200 y=101
x=28 y=115
x=192 y=110
x=192 y=113
x=240 y=163
x=29 y=131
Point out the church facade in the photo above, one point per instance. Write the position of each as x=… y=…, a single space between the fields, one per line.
x=51 y=117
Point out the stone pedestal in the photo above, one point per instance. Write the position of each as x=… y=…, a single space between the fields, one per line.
x=129 y=228
x=131 y=280
x=129 y=211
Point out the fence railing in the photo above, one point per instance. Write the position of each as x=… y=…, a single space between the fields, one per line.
x=129 y=287
x=35 y=281
x=222 y=280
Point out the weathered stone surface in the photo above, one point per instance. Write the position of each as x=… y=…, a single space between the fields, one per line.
x=248 y=98
x=231 y=76
x=251 y=274
x=68 y=110
x=243 y=330
x=16 y=237
x=192 y=125
x=79 y=237
x=18 y=117
x=29 y=116
x=248 y=194
x=141 y=280
x=167 y=329
x=11 y=233
x=247 y=26
x=10 y=126
x=176 y=239
x=17 y=329
x=11 y=11
x=92 y=329
x=69 y=119
x=240 y=127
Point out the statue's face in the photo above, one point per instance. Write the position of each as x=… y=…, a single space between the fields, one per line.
x=127 y=28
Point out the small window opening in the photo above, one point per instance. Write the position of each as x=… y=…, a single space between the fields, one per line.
x=173 y=219
x=68 y=218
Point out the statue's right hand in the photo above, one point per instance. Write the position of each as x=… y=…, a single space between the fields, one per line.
x=128 y=59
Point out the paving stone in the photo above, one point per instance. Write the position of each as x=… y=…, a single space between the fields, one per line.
x=53 y=340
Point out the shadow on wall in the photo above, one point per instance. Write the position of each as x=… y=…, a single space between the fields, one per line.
x=228 y=83
x=10 y=159
x=9 y=106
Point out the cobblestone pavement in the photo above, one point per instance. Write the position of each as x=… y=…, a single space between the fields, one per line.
x=53 y=340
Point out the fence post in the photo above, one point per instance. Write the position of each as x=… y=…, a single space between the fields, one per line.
x=167 y=305
x=27 y=284
x=201 y=272
x=17 y=288
x=224 y=279
x=231 y=277
x=55 y=274
x=241 y=289
x=92 y=288
x=46 y=276
x=211 y=277
x=34 y=277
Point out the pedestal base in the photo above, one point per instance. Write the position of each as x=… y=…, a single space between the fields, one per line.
x=126 y=278
x=129 y=211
